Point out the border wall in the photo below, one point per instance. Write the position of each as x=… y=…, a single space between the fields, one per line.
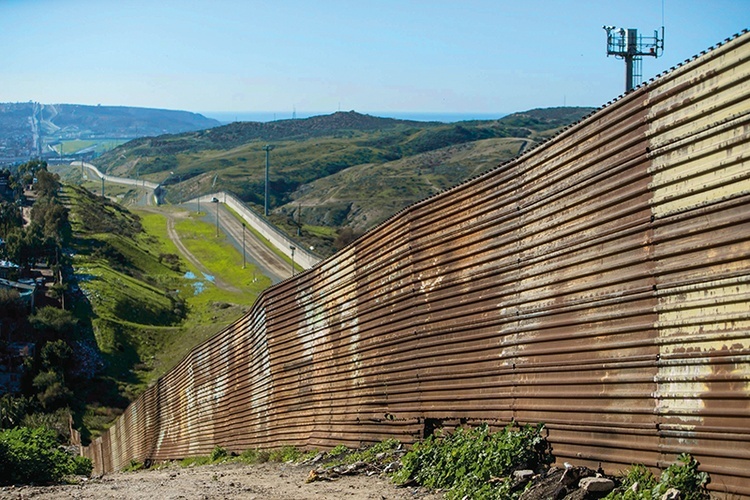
x=599 y=283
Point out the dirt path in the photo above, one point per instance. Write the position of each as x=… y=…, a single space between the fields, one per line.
x=269 y=481
x=187 y=254
x=270 y=264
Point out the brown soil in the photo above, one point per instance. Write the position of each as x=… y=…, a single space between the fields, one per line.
x=269 y=481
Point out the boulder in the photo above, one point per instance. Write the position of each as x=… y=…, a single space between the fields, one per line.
x=596 y=484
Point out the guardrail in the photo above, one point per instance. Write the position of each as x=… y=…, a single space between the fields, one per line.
x=599 y=283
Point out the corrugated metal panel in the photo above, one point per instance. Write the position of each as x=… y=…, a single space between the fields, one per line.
x=599 y=284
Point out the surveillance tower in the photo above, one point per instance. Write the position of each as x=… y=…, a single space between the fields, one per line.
x=629 y=45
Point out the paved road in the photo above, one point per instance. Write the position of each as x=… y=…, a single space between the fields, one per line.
x=256 y=252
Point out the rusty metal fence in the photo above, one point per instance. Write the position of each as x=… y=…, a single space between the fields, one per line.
x=599 y=283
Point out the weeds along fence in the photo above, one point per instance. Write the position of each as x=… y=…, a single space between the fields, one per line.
x=599 y=283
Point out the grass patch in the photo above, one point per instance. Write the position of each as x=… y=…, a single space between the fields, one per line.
x=320 y=231
x=219 y=256
x=638 y=483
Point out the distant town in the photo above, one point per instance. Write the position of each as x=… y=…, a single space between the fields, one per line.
x=66 y=132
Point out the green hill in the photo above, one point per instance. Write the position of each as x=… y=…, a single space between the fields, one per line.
x=343 y=169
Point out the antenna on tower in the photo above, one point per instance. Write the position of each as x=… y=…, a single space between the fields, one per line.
x=627 y=44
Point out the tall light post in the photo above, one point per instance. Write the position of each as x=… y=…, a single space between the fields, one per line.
x=217 y=218
x=292 y=249
x=267 y=148
x=243 y=245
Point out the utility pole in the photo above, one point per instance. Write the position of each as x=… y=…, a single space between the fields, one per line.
x=292 y=249
x=243 y=245
x=217 y=218
x=267 y=148
x=628 y=45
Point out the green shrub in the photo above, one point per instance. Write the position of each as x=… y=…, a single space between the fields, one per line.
x=255 y=456
x=285 y=454
x=218 y=454
x=57 y=421
x=639 y=483
x=13 y=409
x=133 y=465
x=194 y=461
x=82 y=466
x=34 y=456
x=338 y=450
x=465 y=461
x=383 y=451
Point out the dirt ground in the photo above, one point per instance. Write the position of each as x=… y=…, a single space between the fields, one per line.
x=268 y=481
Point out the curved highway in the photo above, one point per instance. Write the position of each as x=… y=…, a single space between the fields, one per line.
x=256 y=251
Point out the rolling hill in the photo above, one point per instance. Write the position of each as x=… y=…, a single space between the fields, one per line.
x=344 y=169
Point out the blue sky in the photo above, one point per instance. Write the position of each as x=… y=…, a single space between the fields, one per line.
x=323 y=55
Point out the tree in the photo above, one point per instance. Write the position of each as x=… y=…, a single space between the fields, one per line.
x=32 y=167
x=58 y=355
x=23 y=245
x=10 y=217
x=51 y=390
x=47 y=183
x=52 y=218
x=54 y=323
x=11 y=305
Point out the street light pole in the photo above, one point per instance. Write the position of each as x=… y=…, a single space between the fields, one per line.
x=217 y=219
x=267 y=148
x=243 y=245
x=292 y=249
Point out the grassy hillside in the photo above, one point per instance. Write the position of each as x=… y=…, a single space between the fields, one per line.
x=147 y=306
x=365 y=195
x=344 y=169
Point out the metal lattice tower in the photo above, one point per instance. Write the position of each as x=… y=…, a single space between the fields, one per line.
x=628 y=45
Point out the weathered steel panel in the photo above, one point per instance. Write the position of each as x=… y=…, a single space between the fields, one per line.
x=600 y=283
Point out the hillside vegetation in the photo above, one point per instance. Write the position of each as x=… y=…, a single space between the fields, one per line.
x=340 y=170
x=146 y=306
